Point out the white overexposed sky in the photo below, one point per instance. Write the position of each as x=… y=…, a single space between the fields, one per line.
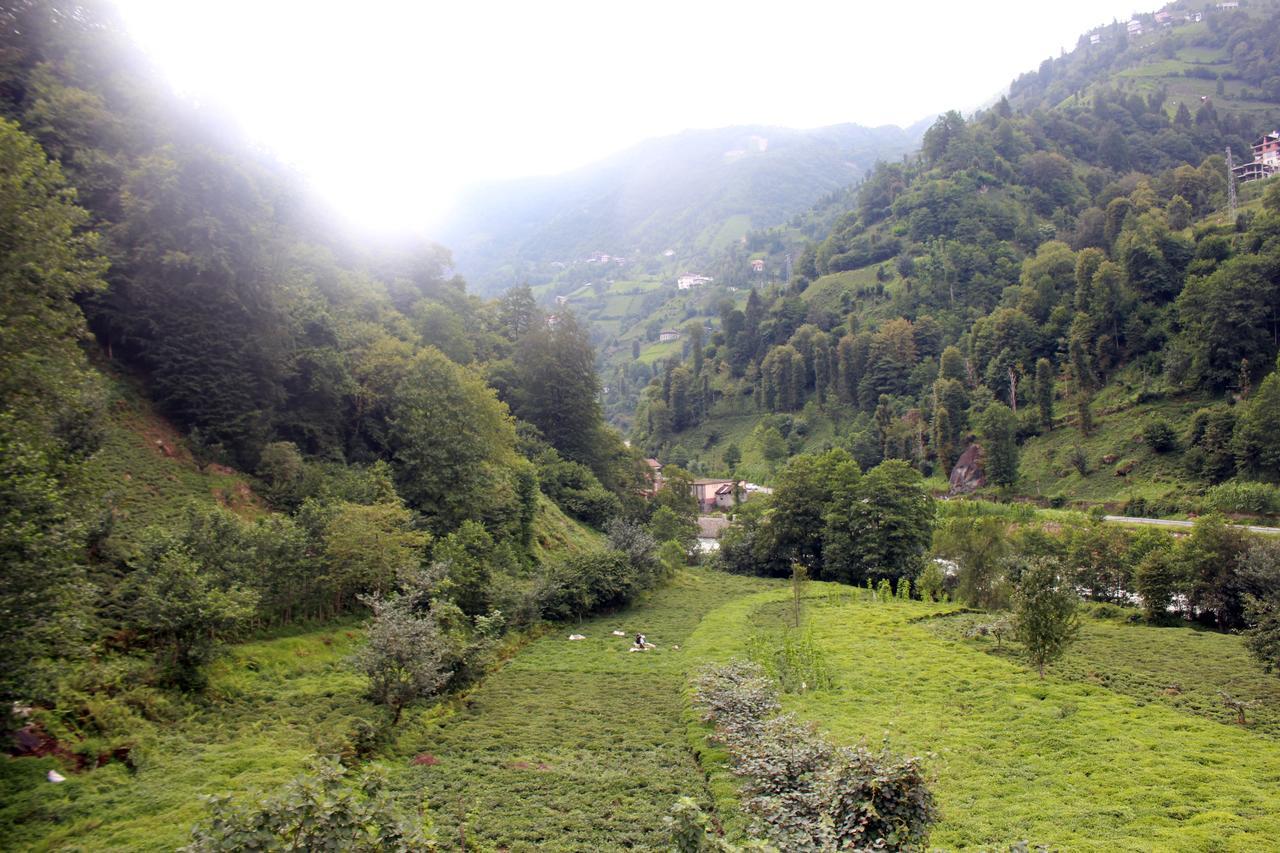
x=390 y=107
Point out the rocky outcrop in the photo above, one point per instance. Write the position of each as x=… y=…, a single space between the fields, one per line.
x=967 y=476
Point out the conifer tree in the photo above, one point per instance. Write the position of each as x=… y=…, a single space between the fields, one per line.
x=944 y=447
x=998 y=428
x=1045 y=392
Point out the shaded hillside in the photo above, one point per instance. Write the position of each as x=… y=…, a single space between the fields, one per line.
x=177 y=311
x=692 y=193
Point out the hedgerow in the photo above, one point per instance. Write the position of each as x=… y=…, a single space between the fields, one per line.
x=803 y=792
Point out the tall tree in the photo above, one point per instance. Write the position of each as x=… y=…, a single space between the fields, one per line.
x=453 y=442
x=998 y=430
x=1045 y=618
x=878 y=525
x=559 y=389
x=48 y=411
x=1045 y=392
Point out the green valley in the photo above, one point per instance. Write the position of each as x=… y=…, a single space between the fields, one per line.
x=753 y=488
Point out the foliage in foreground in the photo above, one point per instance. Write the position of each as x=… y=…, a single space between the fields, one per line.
x=323 y=810
x=804 y=792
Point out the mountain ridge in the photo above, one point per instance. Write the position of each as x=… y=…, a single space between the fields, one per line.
x=671 y=192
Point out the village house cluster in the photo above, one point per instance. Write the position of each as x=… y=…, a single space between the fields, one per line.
x=1165 y=18
x=712 y=494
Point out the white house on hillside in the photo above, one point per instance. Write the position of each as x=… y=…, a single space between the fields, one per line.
x=689 y=280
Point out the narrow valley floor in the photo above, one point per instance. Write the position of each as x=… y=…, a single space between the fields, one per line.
x=575 y=744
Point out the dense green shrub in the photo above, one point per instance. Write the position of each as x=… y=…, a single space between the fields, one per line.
x=1244 y=497
x=1160 y=436
x=576 y=489
x=584 y=583
x=1261 y=574
x=323 y=810
x=181 y=611
x=803 y=792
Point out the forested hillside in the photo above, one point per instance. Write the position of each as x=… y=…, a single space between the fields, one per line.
x=1057 y=276
x=694 y=194
x=306 y=545
x=219 y=416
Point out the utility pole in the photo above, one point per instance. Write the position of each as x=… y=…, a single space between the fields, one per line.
x=1231 y=185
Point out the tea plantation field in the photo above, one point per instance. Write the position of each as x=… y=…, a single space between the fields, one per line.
x=581 y=745
x=1067 y=762
x=575 y=744
x=572 y=745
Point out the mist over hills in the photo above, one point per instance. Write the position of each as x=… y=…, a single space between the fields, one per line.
x=693 y=192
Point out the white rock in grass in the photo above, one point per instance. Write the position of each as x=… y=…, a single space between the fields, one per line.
x=619 y=633
x=55 y=776
x=576 y=637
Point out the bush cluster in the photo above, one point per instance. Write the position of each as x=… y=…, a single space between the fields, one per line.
x=805 y=792
x=325 y=809
x=1243 y=497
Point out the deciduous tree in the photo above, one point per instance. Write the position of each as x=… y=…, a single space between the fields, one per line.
x=1045 y=620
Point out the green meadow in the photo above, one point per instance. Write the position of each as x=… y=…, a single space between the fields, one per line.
x=571 y=745
x=582 y=745
x=1082 y=760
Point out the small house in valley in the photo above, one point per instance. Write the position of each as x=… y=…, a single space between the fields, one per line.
x=713 y=494
x=689 y=280
x=654 y=476
x=668 y=335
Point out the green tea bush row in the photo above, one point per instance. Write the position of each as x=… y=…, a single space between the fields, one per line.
x=804 y=792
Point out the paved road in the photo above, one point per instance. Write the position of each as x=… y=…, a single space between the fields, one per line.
x=1165 y=522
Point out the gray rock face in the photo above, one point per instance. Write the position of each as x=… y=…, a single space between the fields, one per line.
x=967 y=476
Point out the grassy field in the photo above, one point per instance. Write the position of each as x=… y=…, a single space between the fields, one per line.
x=1065 y=762
x=271 y=706
x=556 y=533
x=1180 y=667
x=569 y=746
x=144 y=473
x=574 y=745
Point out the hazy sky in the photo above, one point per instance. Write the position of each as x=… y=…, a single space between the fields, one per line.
x=390 y=107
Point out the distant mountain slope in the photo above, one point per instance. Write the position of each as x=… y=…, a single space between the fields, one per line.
x=1073 y=253
x=692 y=192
